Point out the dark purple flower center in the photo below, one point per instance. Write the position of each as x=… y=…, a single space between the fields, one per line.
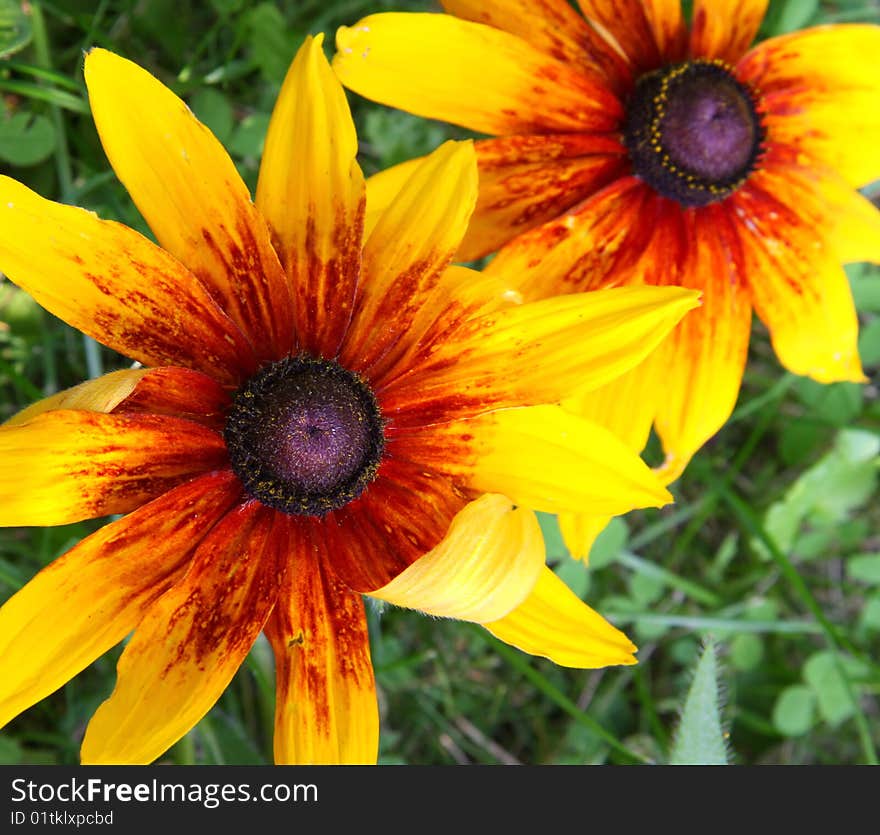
x=693 y=132
x=305 y=435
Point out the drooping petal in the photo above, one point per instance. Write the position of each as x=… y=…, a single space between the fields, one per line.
x=190 y=193
x=819 y=90
x=311 y=191
x=102 y=394
x=579 y=532
x=437 y=66
x=191 y=641
x=522 y=355
x=553 y=622
x=63 y=466
x=800 y=291
x=89 y=599
x=542 y=457
x=596 y=244
x=408 y=250
x=552 y=26
x=401 y=516
x=325 y=704
x=701 y=364
x=486 y=565
x=725 y=28
x=113 y=284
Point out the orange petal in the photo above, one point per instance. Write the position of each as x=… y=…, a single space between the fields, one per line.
x=725 y=28
x=552 y=26
x=325 y=705
x=311 y=190
x=192 y=640
x=819 y=90
x=63 y=466
x=470 y=74
x=190 y=193
x=113 y=284
x=89 y=599
x=411 y=245
x=800 y=290
x=402 y=515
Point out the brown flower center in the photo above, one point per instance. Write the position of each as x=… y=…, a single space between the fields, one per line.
x=693 y=132
x=305 y=435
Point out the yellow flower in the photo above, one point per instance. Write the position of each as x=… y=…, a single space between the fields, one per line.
x=319 y=414
x=633 y=148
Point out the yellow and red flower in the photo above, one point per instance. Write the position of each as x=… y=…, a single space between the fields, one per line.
x=316 y=412
x=634 y=147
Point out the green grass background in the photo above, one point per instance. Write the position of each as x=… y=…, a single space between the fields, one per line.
x=772 y=549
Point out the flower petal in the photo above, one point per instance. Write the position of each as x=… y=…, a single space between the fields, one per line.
x=113 y=284
x=190 y=193
x=542 y=457
x=819 y=90
x=554 y=623
x=191 y=641
x=485 y=566
x=63 y=466
x=523 y=355
x=401 y=516
x=408 y=250
x=552 y=26
x=311 y=191
x=90 y=598
x=437 y=66
x=325 y=707
x=725 y=28
x=800 y=291
x=579 y=531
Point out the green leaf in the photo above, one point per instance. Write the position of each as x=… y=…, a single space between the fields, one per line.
x=825 y=676
x=870 y=616
x=272 y=45
x=869 y=343
x=795 y=710
x=15 y=27
x=796 y=14
x=864 y=567
x=609 y=544
x=26 y=139
x=553 y=541
x=746 y=652
x=699 y=738
x=213 y=108
x=248 y=137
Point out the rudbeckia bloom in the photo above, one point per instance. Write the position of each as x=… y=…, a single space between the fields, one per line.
x=633 y=147
x=317 y=412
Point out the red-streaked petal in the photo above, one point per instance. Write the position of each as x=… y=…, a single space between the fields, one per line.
x=437 y=66
x=311 y=190
x=89 y=599
x=64 y=466
x=725 y=28
x=192 y=640
x=552 y=26
x=325 y=704
x=113 y=284
x=800 y=291
x=819 y=89
x=402 y=515
x=411 y=245
x=191 y=194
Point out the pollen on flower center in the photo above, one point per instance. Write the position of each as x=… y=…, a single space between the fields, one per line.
x=305 y=435
x=693 y=132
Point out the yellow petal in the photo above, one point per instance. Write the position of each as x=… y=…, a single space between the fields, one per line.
x=725 y=28
x=190 y=193
x=100 y=395
x=579 y=532
x=536 y=353
x=311 y=191
x=485 y=566
x=472 y=75
x=191 y=641
x=89 y=599
x=383 y=188
x=325 y=706
x=408 y=250
x=555 y=623
x=113 y=284
x=64 y=466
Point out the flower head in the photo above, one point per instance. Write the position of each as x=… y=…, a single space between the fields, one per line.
x=634 y=147
x=317 y=412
